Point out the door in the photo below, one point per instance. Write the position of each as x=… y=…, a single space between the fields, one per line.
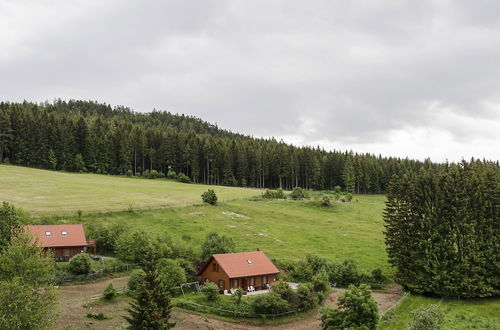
x=244 y=284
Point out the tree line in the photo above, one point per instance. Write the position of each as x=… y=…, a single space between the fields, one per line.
x=86 y=136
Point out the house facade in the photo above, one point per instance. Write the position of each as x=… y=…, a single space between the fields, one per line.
x=239 y=270
x=65 y=241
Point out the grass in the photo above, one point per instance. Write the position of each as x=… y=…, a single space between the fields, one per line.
x=459 y=314
x=283 y=229
x=51 y=192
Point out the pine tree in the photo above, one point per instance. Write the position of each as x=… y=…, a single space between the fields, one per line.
x=151 y=307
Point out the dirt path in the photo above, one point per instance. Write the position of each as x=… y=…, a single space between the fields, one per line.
x=73 y=299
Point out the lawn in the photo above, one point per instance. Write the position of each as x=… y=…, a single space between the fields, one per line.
x=50 y=192
x=283 y=229
x=459 y=314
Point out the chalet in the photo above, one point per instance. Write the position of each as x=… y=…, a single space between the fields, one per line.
x=244 y=270
x=65 y=241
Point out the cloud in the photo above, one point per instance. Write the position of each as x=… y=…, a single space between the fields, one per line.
x=383 y=77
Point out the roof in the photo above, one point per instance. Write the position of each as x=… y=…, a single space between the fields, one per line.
x=244 y=264
x=60 y=235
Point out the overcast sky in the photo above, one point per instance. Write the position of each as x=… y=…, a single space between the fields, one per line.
x=402 y=78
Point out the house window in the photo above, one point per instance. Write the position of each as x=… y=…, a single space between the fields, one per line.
x=264 y=279
x=249 y=261
x=221 y=284
x=215 y=267
x=252 y=281
x=67 y=252
x=48 y=233
x=64 y=233
x=235 y=284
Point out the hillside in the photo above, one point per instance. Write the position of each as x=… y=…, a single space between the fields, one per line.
x=51 y=192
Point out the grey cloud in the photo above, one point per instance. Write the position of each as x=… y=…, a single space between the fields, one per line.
x=345 y=71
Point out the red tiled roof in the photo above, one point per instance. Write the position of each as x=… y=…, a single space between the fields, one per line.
x=245 y=264
x=75 y=235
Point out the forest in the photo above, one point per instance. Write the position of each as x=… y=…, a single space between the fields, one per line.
x=86 y=136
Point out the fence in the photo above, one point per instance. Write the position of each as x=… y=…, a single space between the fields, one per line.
x=100 y=272
x=234 y=313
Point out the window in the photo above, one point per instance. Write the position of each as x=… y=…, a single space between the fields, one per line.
x=67 y=252
x=64 y=233
x=215 y=267
x=221 y=284
x=48 y=233
x=264 y=279
x=252 y=281
x=249 y=261
x=235 y=284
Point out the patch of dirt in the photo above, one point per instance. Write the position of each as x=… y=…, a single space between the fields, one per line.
x=73 y=299
x=233 y=215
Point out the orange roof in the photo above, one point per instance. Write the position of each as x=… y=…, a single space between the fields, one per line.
x=245 y=264
x=58 y=235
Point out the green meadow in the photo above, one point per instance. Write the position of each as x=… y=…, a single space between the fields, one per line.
x=43 y=192
x=282 y=228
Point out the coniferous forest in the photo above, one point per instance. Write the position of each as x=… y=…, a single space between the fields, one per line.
x=443 y=229
x=85 y=136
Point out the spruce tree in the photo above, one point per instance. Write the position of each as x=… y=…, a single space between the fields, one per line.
x=151 y=306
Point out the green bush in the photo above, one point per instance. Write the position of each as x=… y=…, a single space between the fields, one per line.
x=171 y=174
x=171 y=274
x=345 y=273
x=348 y=197
x=269 y=303
x=297 y=193
x=320 y=282
x=209 y=197
x=80 y=264
x=325 y=201
x=238 y=294
x=110 y=292
x=183 y=178
x=135 y=279
x=307 y=296
x=274 y=194
x=429 y=318
x=357 y=310
x=211 y=291
x=97 y=316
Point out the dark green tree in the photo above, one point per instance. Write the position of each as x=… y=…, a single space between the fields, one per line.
x=216 y=243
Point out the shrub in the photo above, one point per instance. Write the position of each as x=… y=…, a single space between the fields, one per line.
x=80 y=264
x=345 y=273
x=183 y=178
x=320 y=282
x=274 y=194
x=307 y=296
x=110 y=292
x=211 y=291
x=171 y=274
x=216 y=243
x=297 y=193
x=238 y=294
x=429 y=318
x=348 y=197
x=357 y=310
x=325 y=201
x=283 y=289
x=171 y=174
x=129 y=173
x=209 y=197
x=269 y=303
x=135 y=279
x=97 y=316
x=377 y=278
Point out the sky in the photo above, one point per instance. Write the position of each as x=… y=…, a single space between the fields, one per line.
x=399 y=78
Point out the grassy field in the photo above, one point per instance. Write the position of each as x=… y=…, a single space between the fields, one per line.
x=51 y=192
x=459 y=314
x=283 y=229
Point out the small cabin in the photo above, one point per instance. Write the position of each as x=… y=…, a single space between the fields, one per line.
x=65 y=241
x=244 y=270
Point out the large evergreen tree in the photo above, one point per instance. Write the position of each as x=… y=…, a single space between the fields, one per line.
x=443 y=229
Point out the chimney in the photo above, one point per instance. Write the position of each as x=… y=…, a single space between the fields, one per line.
x=258 y=249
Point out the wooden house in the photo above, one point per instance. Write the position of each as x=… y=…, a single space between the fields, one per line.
x=239 y=270
x=65 y=241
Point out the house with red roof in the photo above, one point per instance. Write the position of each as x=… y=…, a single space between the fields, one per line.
x=244 y=270
x=65 y=241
